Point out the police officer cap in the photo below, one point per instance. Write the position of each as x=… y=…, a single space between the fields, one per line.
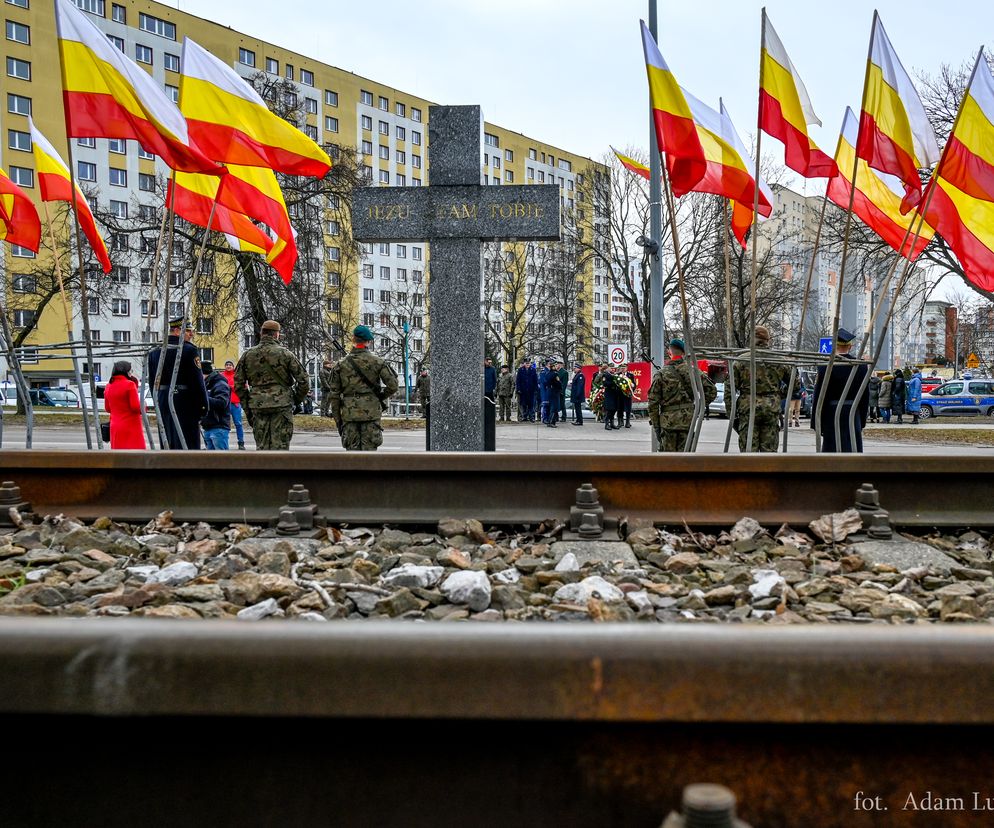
x=678 y=345
x=177 y=323
x=270 y=326
x=845 y=336
x=362 y=332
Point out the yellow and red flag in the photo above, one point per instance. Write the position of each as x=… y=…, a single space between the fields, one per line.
x=632 y=165
x=968 y=159
x=192 y=197
x=742 y=210
x=54 y=183
x=108 y=96
x=895 y=135
x=960 y=198
x=230 y=122
x=19 y=222
x=877 y=201
x=676 y=133
x=785 y=109
x=255 y=192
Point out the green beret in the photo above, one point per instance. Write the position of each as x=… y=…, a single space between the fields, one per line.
x=678 y=345
x=362 y=332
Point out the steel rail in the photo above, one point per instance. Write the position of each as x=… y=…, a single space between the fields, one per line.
x=703 y=490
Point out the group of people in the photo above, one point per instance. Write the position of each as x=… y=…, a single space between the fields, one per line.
x=267 y=386
x=891 y=394
x=541 y=394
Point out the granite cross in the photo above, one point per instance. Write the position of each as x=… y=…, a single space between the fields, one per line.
x=454 y=215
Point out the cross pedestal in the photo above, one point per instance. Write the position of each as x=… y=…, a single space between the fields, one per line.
x=455 y=214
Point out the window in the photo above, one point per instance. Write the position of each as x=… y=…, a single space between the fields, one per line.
x=416 y=138
x=384 y=128
x=367 y=147
x=416 y=254
x=17 y=140
x=91 y=6
x=496 y=161
x=24 y=318
x=120 y=275
x=172 y=92
x=93 y=303
x=311 y=132
x=367 y=123
x=143 y=54
x=311 y=106
x=146 y=182
x=118 y=13
x=170 y=61
x=120 y=307
x=246 y=57
x=532 y=155
x=385 y=272
x=117 y=41
x=147 y=245
x=401 y=134
x=144 y=154
x=330 y=124
x=176 y=310
x=122 y=336
x=22 y=176
x=367 y=271
x=417 y=276
x=368 y=319
x=117 y=145
x=146 y=212
x=18 y=32
x=384 y=248
x=334 y=253
x=205 y=325
x=149 y=309
x=508 y=155
x=21 y=252
x=384 y=104
x=162 y=28
x=365 y=98
x=19 y=3
x=509 y=176
x=272 y=66
x=330 y=98
x=565 y=165
x=367 y=172
x=401 y=180
x=119 y=241
x=401 y=274
x=367 y=248
x=118 y=178
x=307 y=77
x=385 y=297
x=490 y=140
x=18 y=104
x=205 y=296
x=207 y=354
x=541 y=177
x=289 y=71
x=401 y=157
x=401 y=251
x=24 y=284
x=415 y=114
x=384 y=152
x=417 y=299
x=367 y=294
x=384 y=176
x=18 y=68
x=416 y=162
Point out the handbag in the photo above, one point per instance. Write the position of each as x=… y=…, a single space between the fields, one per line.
x=105 y=432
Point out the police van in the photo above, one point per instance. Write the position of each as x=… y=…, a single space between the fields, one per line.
x=959 y=397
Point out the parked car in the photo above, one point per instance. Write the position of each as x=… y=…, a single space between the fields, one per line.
x=716 y=408
x=40 y=397
x=101 y=387
x=959 y=397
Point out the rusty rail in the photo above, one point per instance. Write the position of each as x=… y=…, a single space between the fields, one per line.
x=505 y=488
x=415 y=725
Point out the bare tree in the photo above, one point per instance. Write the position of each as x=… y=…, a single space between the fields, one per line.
x=510 y=299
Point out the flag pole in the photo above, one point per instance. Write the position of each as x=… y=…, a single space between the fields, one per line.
x=729 y=341
x=65 y=309
x=142 y=370
x=820 y=405
x=657 y=347
x=750 y=329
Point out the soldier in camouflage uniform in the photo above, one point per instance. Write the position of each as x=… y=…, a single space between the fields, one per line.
x=361 y=383
x=671 y=399
x=505 y=393
x=324 y=376
x=270 y=382
x=769 y=378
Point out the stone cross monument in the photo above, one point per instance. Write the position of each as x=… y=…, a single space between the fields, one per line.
x=454 y=215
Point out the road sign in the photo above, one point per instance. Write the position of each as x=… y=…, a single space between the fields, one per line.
x=618 y=354
x=825 y=345
x=973 y=361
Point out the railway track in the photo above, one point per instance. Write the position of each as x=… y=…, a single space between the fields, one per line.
x=703 y=490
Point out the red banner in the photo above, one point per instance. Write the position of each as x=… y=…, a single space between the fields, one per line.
x=642 y=371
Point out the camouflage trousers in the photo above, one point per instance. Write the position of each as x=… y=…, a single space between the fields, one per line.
x=272 y=430
x=765 y=431
x=362 y=436
x=505 y=408
x=326 y=403
x=672 y=439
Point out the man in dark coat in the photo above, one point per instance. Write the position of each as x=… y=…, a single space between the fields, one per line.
x=897 y=395
x=189 y=394
x=216 y=423
x=577 y=394
x=833 y=399
x=549 y=385
x=613 y=401
x=526 y=392
x=563 y=375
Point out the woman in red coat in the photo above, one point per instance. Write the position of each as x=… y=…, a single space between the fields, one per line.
x=121 y=402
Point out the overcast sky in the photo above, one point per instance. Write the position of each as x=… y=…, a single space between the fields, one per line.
x=571 y=72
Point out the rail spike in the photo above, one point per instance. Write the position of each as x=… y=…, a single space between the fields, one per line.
x=10 y=499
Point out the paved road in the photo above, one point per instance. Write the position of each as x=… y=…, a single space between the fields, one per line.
x=532 y=438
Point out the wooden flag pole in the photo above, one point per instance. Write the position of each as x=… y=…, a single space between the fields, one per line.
x=729 y=341
x=72 y=348
x=820 y=405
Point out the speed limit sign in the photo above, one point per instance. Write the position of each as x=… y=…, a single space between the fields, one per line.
x=618 y=354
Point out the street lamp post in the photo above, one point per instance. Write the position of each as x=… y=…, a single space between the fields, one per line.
x=407 y=376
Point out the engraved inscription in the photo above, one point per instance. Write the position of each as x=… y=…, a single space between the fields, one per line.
x=516 y=210
x=389 y=212
x=460 y=210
